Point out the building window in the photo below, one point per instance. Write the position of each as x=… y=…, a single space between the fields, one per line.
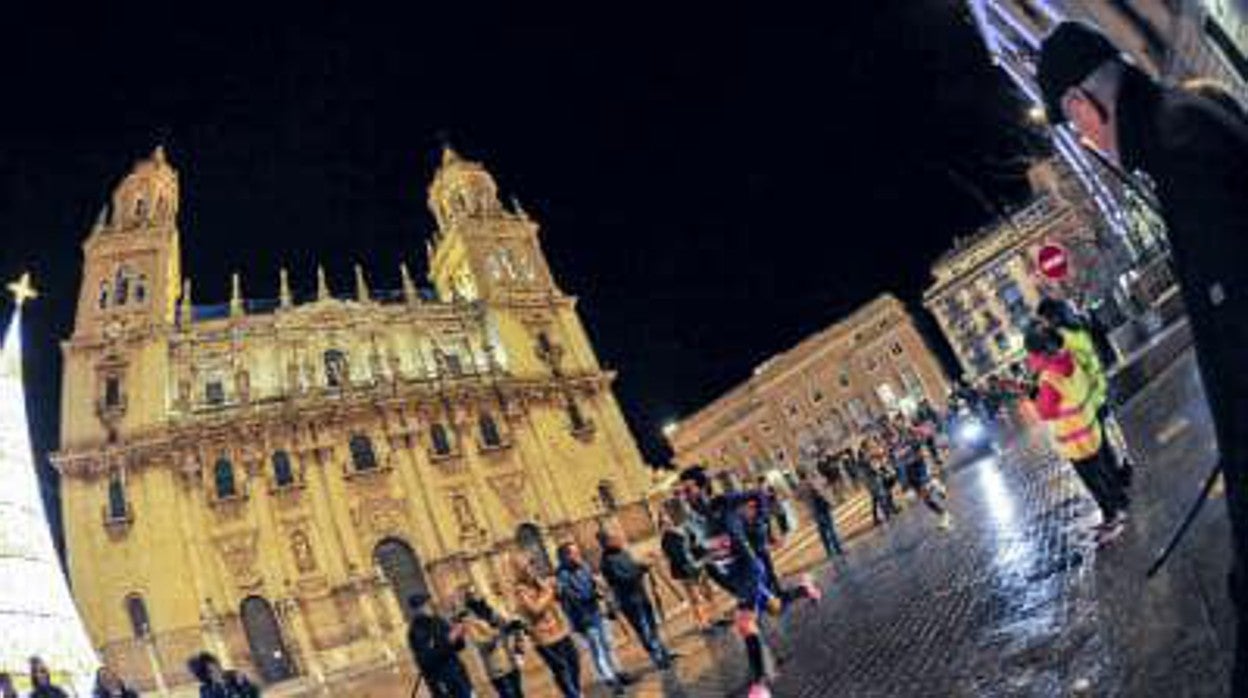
x=121 y=286
x=843 y=379
x=362 y=455
x=223 y=477
x=816 y=396
x=911 y=382
x=454 y=366
x=214 y=393
x=103 y=295
x=283 y=472
x=490 y=437
x=606 y=495
x=896 y=349
x=136 y=610
x=112 y=392
x=576 y=418
x=335 y=368
x=440 y=439
x=117 y=508
x=140 y=289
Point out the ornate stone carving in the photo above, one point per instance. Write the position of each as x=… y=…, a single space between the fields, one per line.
x=381 y=516
x=238 y=554
x=510 y=491
x=301 y=549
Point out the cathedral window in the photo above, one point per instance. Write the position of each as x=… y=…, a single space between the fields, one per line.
x=103 y=295
x=440 y=440
x=454 y=366
x=140 y=208
x=544 y=345
x=335 y=368
x=223 y=477
x=214 y=392
x=576 y=418
x=490 y=437
x=362 y=455
x=121 y=286
x=606 y=495
x=118 y=509
x=140 y=289
x=112 y=392
x=136 y=611
x=283 y=472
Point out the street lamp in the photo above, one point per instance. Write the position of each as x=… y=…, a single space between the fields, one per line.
x=669 y=428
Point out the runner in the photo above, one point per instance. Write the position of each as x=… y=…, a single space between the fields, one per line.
x=908 y=455
x=720 y=526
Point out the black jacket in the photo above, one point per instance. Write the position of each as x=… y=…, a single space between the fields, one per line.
x=436 y=654
x=626 y=577
x=1196 y=152
x=679 y=555
x=48 y=692
x=236 y=686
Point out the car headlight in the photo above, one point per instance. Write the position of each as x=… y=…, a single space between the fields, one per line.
x=970 y=431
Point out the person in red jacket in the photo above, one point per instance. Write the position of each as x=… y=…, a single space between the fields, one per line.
x=1065 y=398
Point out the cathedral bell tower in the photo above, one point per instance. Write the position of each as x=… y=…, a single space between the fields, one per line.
x=131 y=279
x=482 y=251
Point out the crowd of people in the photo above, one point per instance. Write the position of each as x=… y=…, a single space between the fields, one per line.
x=214 y=681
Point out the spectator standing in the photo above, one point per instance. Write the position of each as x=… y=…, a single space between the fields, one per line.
x=822 y=512
x=216 y=682
x=537 y=603
x=109 y=685
x=581 y=597
x=497 y=642
x=627 y=579
x=686 y=570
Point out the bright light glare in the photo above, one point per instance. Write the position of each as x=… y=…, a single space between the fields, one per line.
x=971 y=431
x=996 y=493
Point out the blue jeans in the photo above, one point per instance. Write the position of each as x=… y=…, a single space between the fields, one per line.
x=641 y=617
x=827 y=533
x=598 y=637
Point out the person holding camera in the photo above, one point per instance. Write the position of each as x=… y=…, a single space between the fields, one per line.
x=498 y=641
x=436 y=644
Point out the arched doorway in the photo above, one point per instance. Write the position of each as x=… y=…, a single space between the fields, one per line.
x=529 y=538
x=264 y=637
x=402 y=569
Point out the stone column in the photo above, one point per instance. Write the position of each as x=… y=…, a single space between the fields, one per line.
x=292 y=613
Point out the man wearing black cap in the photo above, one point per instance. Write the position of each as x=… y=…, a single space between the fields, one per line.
x=1195 y=150
x=435 y=645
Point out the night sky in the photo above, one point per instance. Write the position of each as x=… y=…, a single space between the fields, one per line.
x=713 y=185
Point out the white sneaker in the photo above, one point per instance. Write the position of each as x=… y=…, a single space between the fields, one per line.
x=946 y=522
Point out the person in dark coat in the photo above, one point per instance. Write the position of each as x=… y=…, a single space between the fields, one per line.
x=41 y=681
x=436 y=645
x=109 y=685
x=7 y=689
x=627 y=579
x=1195 y=151
x=215 y=682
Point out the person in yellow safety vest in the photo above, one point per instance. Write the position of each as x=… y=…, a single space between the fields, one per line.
x=1065 y=400
x=1077 y=337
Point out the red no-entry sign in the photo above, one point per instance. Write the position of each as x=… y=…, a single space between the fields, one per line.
x=1053 y=262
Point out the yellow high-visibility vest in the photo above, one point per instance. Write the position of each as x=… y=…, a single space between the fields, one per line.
x=1076 y=430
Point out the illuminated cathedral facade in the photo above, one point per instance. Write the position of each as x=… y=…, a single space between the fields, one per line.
x=265 y=479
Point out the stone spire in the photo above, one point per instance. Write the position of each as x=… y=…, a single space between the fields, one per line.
x=236 y=296
x=518 y=209
x=409 y=288
x=361 y=285
x=322 y=286
x=285 y=298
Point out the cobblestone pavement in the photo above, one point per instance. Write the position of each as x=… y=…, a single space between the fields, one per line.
x=1015 y=601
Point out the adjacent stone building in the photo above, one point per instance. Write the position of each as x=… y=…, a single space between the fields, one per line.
x=817 y=395
x=265 y=478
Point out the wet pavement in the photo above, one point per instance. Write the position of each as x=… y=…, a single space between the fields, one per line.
x=1016 y=600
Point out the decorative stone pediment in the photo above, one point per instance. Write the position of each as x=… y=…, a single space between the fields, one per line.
x=510 y=488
